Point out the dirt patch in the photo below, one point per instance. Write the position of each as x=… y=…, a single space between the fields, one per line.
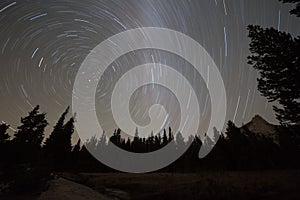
x=62 y=189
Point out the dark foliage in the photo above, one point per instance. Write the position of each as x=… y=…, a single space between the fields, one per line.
x=31 y=132
x=296 y=10
x=276 y=56
x=4 y=137
x=26 y=165
x=58 y=146
x=54 y=139
x=22 y=166
x=236 y=149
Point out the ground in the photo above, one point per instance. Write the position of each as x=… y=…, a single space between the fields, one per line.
x=205 y=185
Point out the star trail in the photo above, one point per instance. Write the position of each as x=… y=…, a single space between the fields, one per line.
x=43 y=43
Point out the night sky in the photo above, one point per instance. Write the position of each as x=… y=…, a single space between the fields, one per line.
x=43 y=43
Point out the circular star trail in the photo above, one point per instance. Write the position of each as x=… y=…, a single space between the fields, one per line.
x=43 y=43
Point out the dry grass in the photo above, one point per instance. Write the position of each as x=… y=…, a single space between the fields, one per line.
x=204 y=185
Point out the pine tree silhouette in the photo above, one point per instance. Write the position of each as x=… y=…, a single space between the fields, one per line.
x=276 y=56
x=68 y=130
x=116 y=138
x=31 y=131
x=77 y=147
x=296 y=10
x=165 y=138
x=170 y=135
x=53 y=139
x=4 y=147
x=58 y=146
x=24 y=167
x=4 y=137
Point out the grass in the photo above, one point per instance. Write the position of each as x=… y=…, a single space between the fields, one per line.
x=284 y=184
x=204 y=185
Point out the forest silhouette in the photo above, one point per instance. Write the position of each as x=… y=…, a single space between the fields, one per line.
x=28 y=158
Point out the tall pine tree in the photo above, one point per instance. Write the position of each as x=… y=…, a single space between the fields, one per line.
x=66 y=138
x=276 y=56
x=50 y=144
x=4 y=137
x=59 y=145
x=31 y=132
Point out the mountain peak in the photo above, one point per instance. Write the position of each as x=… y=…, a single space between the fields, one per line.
x=259 y=119
x=259 y=125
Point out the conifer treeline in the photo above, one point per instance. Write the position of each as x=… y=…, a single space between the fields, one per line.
x=28 y=158
x=235 y=149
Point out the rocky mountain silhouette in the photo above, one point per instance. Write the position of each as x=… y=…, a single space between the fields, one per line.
x=261 y=128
